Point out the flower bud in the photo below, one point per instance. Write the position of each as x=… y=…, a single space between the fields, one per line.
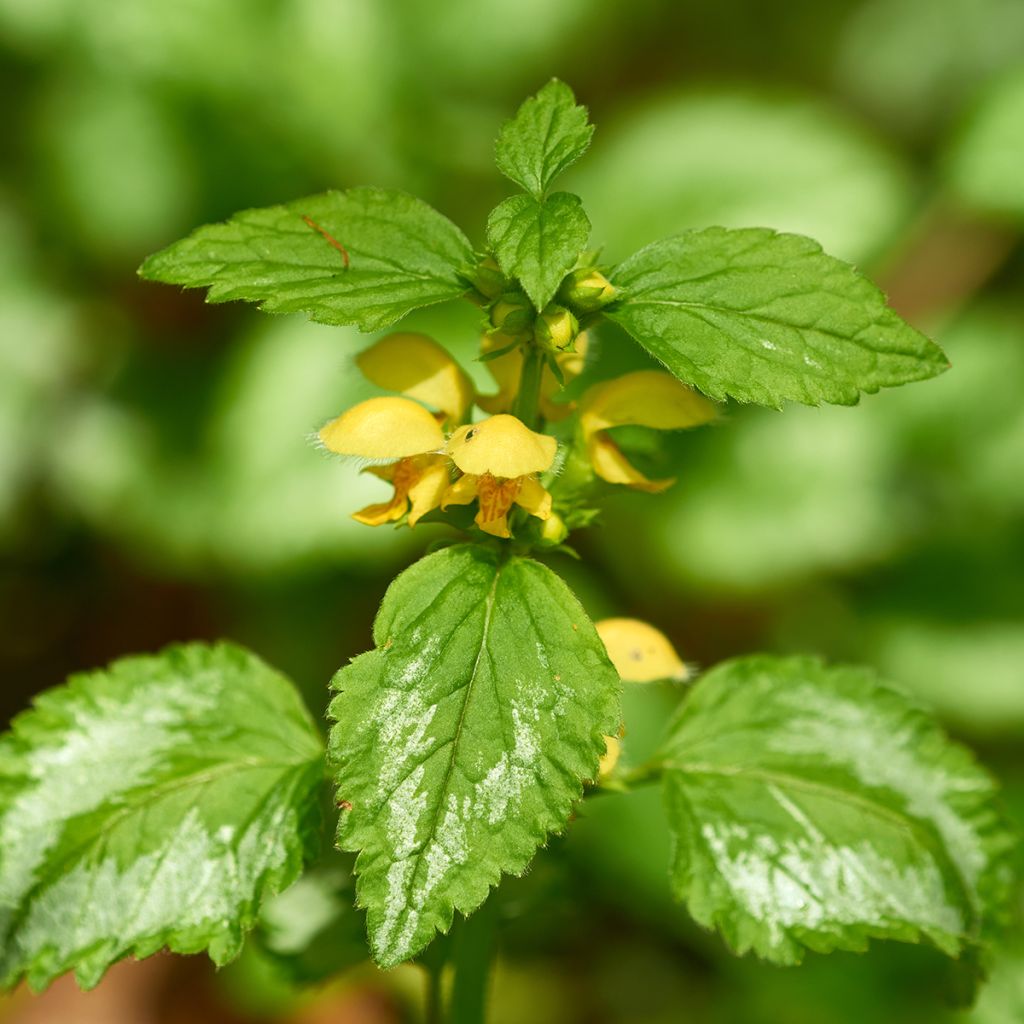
x=586 y=291
x=489 y=279
x=553 y=530
x=556 y=329
x=512 y=314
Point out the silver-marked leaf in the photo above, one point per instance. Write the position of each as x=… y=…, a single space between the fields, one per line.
x=765 y=317
x=537 y=241
x=549 y=133
x=152 y=803
x=463 y=740
x=366 y=256
x=813 y=807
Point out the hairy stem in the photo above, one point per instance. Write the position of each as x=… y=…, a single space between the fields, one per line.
x=527 y=403
x=472 y=951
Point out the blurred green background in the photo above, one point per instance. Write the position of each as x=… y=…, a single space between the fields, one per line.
x=156 y=483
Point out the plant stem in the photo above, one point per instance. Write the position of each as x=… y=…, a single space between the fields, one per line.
x=527 y=403
x=472 y=950
x=433 y=1012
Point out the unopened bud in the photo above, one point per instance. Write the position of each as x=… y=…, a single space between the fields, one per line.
x=512 y=314
x=553 y=530
x=586 y=290
x=556 y=329
x=489 y=279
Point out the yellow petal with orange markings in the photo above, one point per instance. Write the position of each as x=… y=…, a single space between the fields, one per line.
x=534 y=498
x=639 y=652
x=419 y=367
x=462 y=492
x=502 y=446
x=383 y=428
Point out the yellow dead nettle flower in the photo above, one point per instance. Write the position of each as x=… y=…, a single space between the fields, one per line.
x=408 y=440
x=500 y=458
x=639 y=652
x=610 y=757
x=419 y=367
x=646 y=398
x=506 y=370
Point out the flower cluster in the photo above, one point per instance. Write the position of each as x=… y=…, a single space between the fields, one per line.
x=427 y=444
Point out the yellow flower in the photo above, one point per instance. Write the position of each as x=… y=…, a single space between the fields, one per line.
x=407 y=440
x=499 y=458
x=639 y=652
x=506 y=369
x=610 y=757
x=646 y=398
x=419 y=367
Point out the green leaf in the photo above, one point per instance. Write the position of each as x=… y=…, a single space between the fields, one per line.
x=464 y=738
x=766 y=317
x=537 y=242
x=814 y=807
x=548 y=134
x=311 y=931
x=366 y=256
x=984 y=165
x=153 y=803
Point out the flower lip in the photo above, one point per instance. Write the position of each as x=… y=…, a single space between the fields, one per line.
x=383 y=428
x=639 y=652
x=501 y=446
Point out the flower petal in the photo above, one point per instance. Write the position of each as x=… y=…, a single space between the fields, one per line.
x=611 y=464
x=428 y=490
x=610 y=757
x=501 y=446
x=384 y=512
x=639 y=652
x=645 y=398
x=462 y=492
x=383 y=428
x=534 y=498
x=419 y=367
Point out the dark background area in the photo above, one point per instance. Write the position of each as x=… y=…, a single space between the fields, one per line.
x=156 y=483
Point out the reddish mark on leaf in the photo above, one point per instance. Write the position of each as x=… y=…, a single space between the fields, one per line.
x=344 y=805
x=575 y=627
x=328 y=238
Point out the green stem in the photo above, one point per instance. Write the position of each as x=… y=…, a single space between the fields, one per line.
x=433 y=1012
x=650 y=772
x=472 y=950
x=527 y=403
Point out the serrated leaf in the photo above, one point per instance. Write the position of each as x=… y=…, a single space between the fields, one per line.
x=549 y=133
x=462 y=741
x=152 y=803
x=814 y=807
x=367 y=256
x=765 y=317
x=537 y=242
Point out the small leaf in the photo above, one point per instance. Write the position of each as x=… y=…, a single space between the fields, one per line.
x=548 y=134
x=154 y=803
x=367 y=256
x=537 y=242
x=462 y=741
x=765 y=317
x=814 y=807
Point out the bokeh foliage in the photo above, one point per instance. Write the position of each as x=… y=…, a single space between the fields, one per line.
x=155 y=479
